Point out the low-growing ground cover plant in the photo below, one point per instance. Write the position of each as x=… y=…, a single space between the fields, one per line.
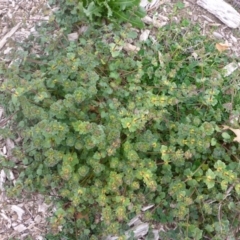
x=111 y=131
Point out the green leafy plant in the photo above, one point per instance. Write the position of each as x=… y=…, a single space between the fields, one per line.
x=116 y=11
x=112 y=132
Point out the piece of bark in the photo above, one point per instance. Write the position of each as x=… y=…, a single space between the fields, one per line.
x=223 y=11
x=73 y=36
x=144 y=35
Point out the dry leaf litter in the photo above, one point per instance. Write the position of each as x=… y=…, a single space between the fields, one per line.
x=26 y=216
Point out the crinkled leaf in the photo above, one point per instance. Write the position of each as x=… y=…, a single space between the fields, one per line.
x=219 y=165
x=210 y=176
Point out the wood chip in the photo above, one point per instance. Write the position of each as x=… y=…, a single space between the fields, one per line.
x=223 y=11
x=130 y=48
x=18 y=210
x=230 y=68
x=20 y=228
x=2 y=179
x=73 y=36
x=144 y=35
x=139 y=230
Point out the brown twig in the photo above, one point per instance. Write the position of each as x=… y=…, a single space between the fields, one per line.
x=5 y=120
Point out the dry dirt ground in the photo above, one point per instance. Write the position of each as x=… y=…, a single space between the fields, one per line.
x=26 y=216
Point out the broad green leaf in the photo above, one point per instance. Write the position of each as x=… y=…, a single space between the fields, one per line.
x=225 y=135
x=126 y=17
x=236 y=131
x=132 y=35
x=124 y=3
x=210 y=178
x=237 y=188
x=213 y=142
x=219 y=165
x=210 y=100
x=164 y=152
x=140 y=12
x=208 y=128
x=209 y=228
x=210 y=174
x=82 y=127
x=39 y=170
x=114 y=75
x=109 y=10
x=129 y=124
x=224 y=185
x=15 y=100
x=192 y=183
x=70 y=159
x=115 y=52
x=92 y=11
x=195 y=232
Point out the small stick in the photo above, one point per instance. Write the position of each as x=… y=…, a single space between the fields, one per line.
x=8 y=35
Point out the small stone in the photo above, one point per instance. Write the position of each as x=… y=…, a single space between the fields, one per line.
x=218 y=35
